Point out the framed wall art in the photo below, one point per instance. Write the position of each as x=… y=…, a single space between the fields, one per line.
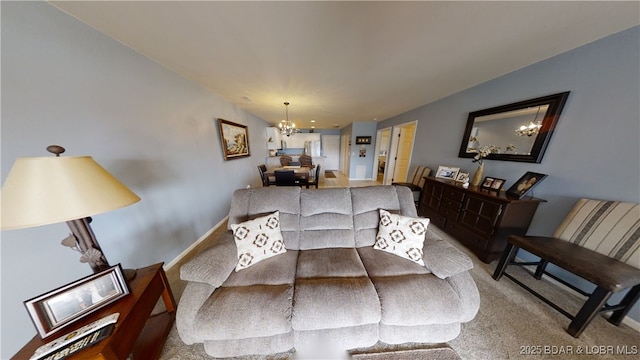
x=363 y=140
x=527 y=182
x=234 y=139
x=56 y=309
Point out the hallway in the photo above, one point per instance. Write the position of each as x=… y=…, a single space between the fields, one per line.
x=341 y=180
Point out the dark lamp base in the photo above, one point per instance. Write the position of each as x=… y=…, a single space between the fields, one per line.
x=129 y=274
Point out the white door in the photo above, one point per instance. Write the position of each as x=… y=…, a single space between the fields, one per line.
x=346 y=154
x=331 y=151
x=399 y=153
x=403 y=157
x=383 y=141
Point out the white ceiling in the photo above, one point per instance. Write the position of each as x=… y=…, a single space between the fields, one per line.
x=340 y=62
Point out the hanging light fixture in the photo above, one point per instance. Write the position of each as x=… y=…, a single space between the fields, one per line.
x=287 y=127
x=533 y=128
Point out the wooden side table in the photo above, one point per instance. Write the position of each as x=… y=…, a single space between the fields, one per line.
x=137 y=332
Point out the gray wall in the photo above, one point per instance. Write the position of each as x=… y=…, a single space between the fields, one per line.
x=65 y=83
x=595 y=149
x=356 y=161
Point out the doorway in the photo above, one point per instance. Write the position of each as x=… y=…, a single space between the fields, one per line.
x=345 y=153
x=331 y=151
x=383 y=142
x=400 y=151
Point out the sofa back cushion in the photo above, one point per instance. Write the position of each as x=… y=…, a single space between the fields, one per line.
x=248 y=204
x=326 y=219
x=367 y=202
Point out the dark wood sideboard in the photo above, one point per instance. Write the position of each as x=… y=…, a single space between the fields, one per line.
x=480 y=219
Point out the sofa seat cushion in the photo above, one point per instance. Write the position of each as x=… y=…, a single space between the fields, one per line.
x=327 y=303
x=379 y=263
x=431 y=334
x=277 y=270
x=265 y=346
x=321 y=263
x=245 y=311
x=333 y=343
x=417 y=300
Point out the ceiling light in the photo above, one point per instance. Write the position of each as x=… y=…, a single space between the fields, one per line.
x=287 y=127
x=530 y=129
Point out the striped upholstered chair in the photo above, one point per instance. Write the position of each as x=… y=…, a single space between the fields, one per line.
x=415 y=181
x=600 y=242
x=611 y=228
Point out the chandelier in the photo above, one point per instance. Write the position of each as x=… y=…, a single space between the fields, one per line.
x=532 y=128
x=287 y=127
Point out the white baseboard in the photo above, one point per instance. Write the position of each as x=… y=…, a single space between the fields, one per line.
x=632 y=323
x=177 y=259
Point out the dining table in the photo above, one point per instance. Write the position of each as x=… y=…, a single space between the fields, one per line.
x=301 y=173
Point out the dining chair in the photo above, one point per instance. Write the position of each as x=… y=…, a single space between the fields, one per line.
x=285 y=160
x=316 y=179
x=262 y=168
x=306 y=160
x=286 y=178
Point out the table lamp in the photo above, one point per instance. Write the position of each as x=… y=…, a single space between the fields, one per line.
x=48 y=190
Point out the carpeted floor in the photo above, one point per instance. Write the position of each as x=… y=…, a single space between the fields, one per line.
x=329 y=174
x=511 y=324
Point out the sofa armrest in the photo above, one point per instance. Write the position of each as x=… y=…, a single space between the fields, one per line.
x=194 y=296
x=467 y=290
x=214 y=265
x=445 y=260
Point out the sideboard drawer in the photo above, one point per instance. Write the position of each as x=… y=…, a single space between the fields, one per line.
x=450 y=213
x=434 y=217
x=468 y=238
x=450 y=204
x=453 y=194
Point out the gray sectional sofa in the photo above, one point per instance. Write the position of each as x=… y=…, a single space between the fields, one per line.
x=330 y=289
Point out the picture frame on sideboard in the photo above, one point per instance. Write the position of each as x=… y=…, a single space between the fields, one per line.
x=525 y=184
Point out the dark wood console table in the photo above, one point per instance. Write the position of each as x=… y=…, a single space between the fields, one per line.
x=137 y=332
x=480 y=219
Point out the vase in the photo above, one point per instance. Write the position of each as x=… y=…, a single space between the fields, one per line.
x=477 y=177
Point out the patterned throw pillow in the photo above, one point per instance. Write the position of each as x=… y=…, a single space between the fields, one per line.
x=401 y=235
x=258 y=239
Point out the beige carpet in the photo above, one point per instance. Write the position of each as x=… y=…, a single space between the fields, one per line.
x=511 y=324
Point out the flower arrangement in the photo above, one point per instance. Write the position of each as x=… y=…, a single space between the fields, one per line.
x=484 y=151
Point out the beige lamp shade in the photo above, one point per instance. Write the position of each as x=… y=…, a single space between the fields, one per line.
x=47 y=190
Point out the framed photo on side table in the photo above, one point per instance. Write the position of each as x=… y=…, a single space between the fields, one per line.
x=527 y=182
x=447 y=172
x=56 y=309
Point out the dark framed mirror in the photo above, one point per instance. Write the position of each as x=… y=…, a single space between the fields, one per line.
x=519 y=131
